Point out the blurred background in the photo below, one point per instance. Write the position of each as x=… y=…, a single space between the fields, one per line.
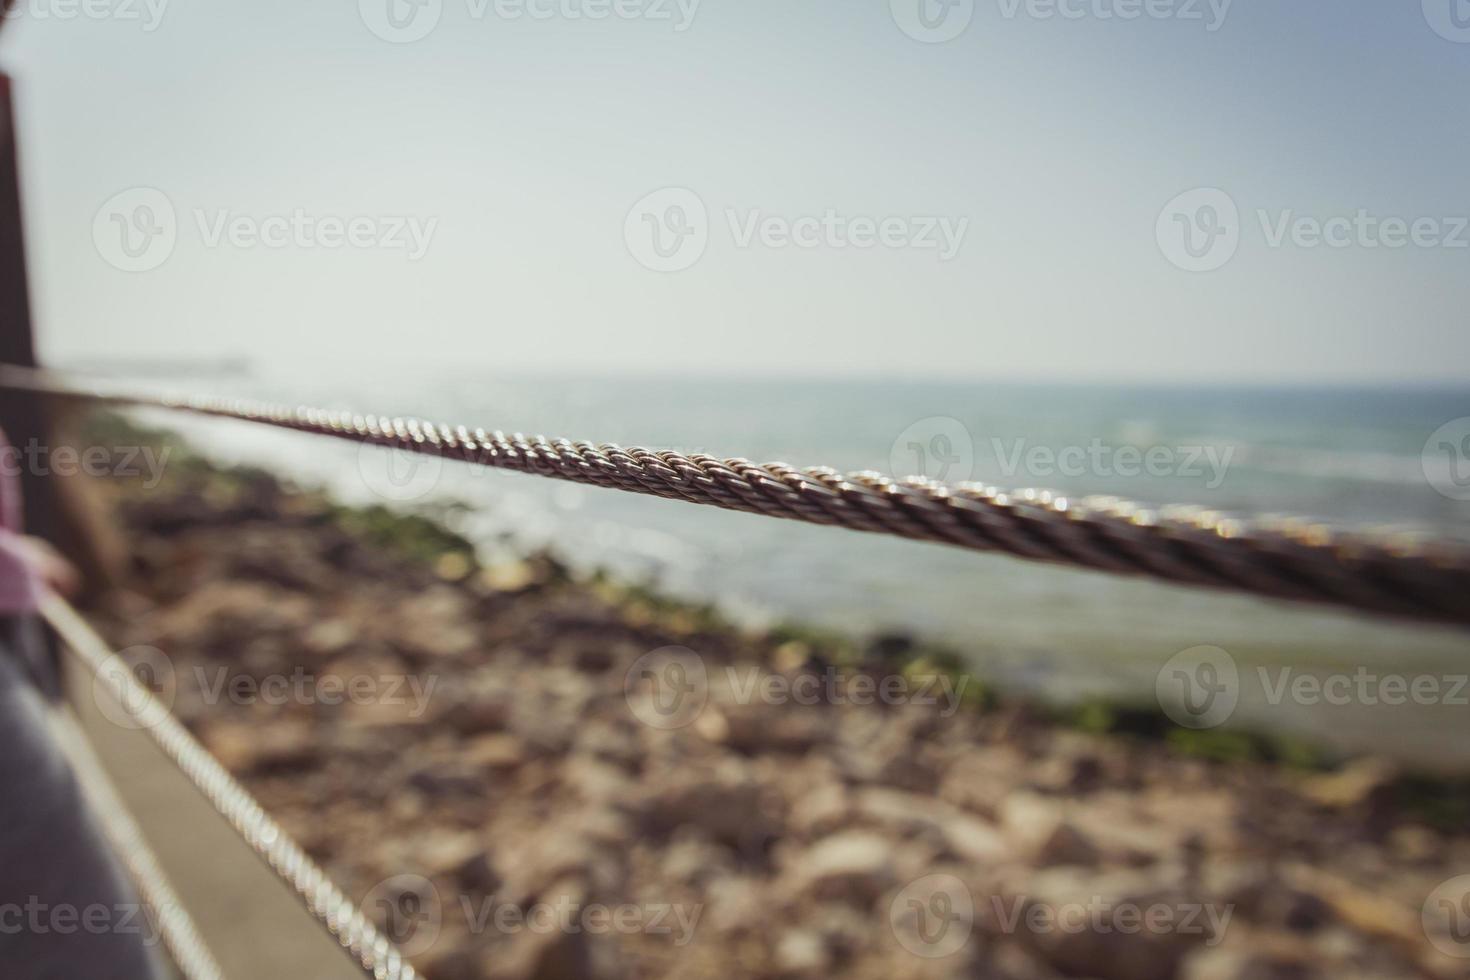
x=1185 y=251
x=1048 y=169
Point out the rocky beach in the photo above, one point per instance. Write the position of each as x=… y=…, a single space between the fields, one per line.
x=526 y=773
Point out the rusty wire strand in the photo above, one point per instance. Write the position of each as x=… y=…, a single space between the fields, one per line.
x=1376 y=572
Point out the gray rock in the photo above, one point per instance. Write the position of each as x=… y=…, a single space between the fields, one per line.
x=1244 y=964
x=730 y=810
x=1086 y=924
x=852 y=866
x=1041 y=832
x=947 y=827
x=802 y=953
x=692 y=859
x=820 y=811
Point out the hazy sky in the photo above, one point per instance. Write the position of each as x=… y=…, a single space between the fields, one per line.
x=855 y=195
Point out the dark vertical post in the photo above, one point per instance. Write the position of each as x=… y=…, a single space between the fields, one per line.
x=21 y=415
x=56 y=509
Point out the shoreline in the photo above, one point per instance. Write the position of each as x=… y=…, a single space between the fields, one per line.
x=545 y=763
x=427 y=532
x=1043 y=633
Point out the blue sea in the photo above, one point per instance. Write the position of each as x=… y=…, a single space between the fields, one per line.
x=1346 y=457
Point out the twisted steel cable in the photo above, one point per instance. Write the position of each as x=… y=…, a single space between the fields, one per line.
x=1375 y=572
x=327 y=903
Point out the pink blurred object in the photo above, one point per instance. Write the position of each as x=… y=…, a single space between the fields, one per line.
x=21 y=581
